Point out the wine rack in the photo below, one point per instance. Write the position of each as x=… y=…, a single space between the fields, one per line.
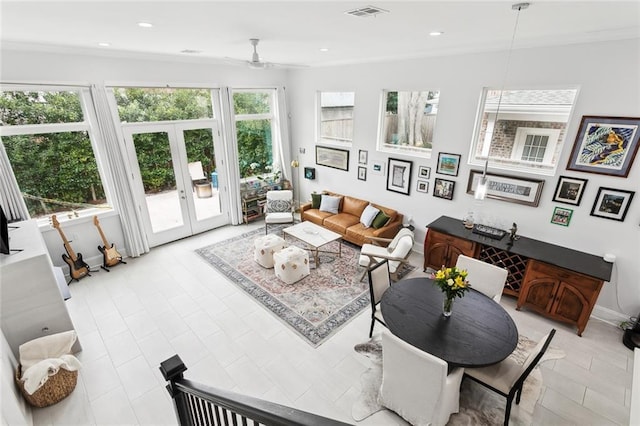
x=514 y=263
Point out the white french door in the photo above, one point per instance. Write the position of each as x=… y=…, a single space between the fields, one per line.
x=177 y=195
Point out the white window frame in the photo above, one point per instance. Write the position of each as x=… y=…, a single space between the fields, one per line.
x=521 y=139
x=348 y=142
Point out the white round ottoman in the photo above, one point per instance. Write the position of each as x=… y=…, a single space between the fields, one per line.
x=265 y=246
x=291 y=264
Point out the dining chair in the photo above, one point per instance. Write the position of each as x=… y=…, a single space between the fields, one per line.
x=415 y=384
x=397 y=252
x=279 y=208
x=507 y=377
x=484 y=277
x=379 y=282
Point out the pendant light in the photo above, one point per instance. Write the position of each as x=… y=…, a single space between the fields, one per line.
x=481 y=188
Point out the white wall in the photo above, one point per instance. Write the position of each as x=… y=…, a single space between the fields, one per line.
x=607 y=87
x=607 y=74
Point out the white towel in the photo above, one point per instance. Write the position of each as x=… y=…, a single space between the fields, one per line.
x=53 y=346
x=38 y=374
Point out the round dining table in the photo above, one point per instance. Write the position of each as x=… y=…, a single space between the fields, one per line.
x=478 y=333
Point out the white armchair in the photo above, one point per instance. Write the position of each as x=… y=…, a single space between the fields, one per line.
x=396 y=252
x=279 y=208
x=488 y=279
x=415 y=384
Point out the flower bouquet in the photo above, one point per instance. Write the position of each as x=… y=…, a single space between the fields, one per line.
x=453 y=283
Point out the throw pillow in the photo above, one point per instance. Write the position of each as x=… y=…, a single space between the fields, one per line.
x=329 y=204
x=279 y=206
x=380 y=220
x=368 y=215
x=315 y=200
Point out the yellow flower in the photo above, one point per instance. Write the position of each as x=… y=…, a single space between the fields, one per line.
x=460 y=281
x=439 y=275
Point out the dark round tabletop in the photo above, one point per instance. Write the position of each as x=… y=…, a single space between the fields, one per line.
x=478 y=333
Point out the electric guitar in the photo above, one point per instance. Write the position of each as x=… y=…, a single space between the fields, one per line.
x=110 y=255
x=77 y=267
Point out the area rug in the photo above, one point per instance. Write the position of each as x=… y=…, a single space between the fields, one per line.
x=316 y=306
x=478 y=405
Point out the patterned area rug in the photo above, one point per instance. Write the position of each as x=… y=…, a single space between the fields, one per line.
x=478 y=405
x=316 y=306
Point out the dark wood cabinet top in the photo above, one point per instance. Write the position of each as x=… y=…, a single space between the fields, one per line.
x=563 y=257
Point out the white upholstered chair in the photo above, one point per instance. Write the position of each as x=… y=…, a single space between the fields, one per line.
x=396 y=252
x=279 y=208
x=379 y=282
x=415 y=384
x=484 y=277
x=507 y=377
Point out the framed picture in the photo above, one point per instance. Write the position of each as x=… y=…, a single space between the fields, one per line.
x=332 y=157
x=569 y=190
x=377 y=168
x=310 y=173
x=612 y=203
x=423 y=186
x=443 y=188
x=399 y=177
x=508 y=188
x=424 y=172
x=362 y=156
x=605 y=145
x=448 y=164
x=362 y=173
x=561 y=216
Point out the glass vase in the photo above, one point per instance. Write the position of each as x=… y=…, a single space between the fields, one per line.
x=447 y=305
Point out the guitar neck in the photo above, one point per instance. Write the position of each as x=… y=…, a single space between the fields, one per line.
x=104 y=238
x=67 y=246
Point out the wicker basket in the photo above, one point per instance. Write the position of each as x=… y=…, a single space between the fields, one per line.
x=55 y=389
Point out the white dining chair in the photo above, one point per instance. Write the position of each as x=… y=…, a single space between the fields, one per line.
x=415 y=384
x=484 y=277
x=379 y=282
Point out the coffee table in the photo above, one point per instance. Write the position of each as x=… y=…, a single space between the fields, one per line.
x=314 y=237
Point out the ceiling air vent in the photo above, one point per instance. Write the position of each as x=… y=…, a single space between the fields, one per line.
x=366 y=11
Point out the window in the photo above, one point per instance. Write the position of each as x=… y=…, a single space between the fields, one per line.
x=529 y=130
x=48 y=140
x=254 y=117
x=144 y=104
x=408 y=121
x=335 y=121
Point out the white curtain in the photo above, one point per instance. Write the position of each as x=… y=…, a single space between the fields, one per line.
x=122 y=194
x=232 y=170
x=283 y=143
x=11 y=199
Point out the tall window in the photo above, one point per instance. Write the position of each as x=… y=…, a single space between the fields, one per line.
x=408 y=121
x=48 y=139
x=335 y=120
x=254 y=118
x=525 y=132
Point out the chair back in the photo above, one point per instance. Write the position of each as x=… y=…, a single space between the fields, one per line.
x=195 y=170
x=379 y=282
x=412 y=380
x=484 y=277
x=400 y=247
x=280 y=201
x=534 y=357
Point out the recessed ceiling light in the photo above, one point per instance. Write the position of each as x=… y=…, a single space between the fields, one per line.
x=324 y=49
x=145 y=24
x=104 y=44
x=435 y=33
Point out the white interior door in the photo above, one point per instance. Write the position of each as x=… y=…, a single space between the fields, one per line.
x=175 y=173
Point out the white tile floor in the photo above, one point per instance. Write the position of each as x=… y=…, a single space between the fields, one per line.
x=170 y=301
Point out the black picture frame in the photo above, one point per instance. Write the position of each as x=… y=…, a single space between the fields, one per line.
x=310 y=173
x=513 y=189
x=569 y=190
x=424 y=172
x=422 y=186
x=362 y=173
x=443 y=188
x=399 y=176
x=332 y=157
x=448 y=164
x=611 y=203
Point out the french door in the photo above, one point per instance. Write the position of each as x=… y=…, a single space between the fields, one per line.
x=178 y=193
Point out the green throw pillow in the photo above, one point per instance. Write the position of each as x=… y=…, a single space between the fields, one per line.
x=380 y=220
x=315 y=200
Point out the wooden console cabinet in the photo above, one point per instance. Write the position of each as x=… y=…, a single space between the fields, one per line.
x=559 y=293
x=555 y=281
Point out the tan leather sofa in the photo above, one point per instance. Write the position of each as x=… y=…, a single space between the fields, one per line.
x=347 y=221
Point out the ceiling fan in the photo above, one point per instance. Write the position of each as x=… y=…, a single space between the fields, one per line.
x=257 y=63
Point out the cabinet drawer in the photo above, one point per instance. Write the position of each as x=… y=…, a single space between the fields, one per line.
x=576 y=279
x=457 y=242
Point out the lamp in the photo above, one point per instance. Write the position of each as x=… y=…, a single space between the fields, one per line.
x=481 y=188
x=295 y=164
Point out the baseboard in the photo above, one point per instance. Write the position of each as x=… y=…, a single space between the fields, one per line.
x=608 y=315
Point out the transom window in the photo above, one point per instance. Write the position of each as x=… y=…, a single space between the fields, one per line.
x=522 y=129
x=335 y=121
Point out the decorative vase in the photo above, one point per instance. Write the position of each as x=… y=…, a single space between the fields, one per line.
x=447 y=305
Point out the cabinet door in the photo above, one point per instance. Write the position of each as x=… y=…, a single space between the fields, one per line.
x=538 y=293
x=570 y=304
x=443 y=249
x=436 y=256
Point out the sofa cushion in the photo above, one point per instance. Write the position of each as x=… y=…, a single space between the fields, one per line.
x=315 y=200
x=315 y=216
x=368 y=215
x=330 y=204
x=380 y=220
x=340 y=222
x=353 y=206
x=389 y=212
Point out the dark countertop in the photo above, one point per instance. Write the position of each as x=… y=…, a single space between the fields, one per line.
x=574 y=260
